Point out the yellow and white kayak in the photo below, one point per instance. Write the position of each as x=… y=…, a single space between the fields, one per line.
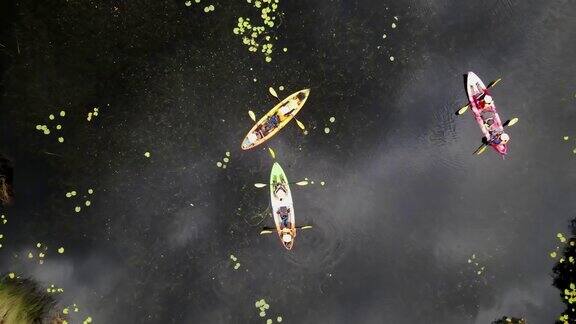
x=275 y=119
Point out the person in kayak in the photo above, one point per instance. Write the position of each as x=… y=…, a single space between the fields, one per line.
x=253 y=137
x=287 y=236
x=497 y=138
x=272 y=122
x=284 y=213
x=485 y=102
x=488 y=118
x=504 y=138
x=286 y=110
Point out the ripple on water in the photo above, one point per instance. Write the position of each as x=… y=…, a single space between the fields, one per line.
x=322 y=247
x=228 y=284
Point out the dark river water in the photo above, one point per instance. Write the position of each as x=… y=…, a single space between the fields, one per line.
x=404 y=206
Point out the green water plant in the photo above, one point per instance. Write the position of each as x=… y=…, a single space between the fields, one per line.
x=23 y=301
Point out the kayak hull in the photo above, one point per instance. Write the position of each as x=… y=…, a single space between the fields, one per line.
x=474 y=88
x=281 y=199
x=256 y=136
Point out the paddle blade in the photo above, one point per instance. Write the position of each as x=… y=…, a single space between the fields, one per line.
x=462 y=110
x=306 y=227
x=260 y=185
x=511 y=122
x=272 y=153
x=266 y=232
x=300 y=124
x=251 y=114
x=302 y=183
x=481 y=149
x=273 y=92
x=493 y=83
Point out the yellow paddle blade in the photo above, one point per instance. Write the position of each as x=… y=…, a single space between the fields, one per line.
x=273 y=92
x=494 y=82
x=300 y=124
x=462 y=110
x=266 y=232
x=306 y=227
x=260 y=185
x=513 y=121
x=481 y=149
x=272 y=153
x=302 y=183
x=251 y=114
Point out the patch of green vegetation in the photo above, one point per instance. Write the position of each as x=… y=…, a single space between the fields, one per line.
x=509 y=320
x=23 y=301
x=258 y=38
x=565 y=274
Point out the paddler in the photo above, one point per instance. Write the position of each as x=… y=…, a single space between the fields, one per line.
x=286 y=110
x=287 y=236
x=284 y=213
x=272 y=122
x=486 y=102
x=486 y=110
x=488 y=118
x=497 y=138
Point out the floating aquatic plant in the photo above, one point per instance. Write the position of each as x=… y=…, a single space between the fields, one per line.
x=263 y=306
x=54 y=290
x=87 y=202
x=207 y=8
x=509 y=320
x=566 y=138
x=565 y=273
x=476 y=264
x=222 y=164
x=3 y=221
x=93 y=113
x=258 y=38
x=45 y=128
x=234 y=260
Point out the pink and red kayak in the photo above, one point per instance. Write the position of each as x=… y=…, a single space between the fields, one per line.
x=476 y=89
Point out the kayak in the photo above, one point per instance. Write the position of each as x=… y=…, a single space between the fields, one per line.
x=275 y=119
x=475 y=89
x=282 y=206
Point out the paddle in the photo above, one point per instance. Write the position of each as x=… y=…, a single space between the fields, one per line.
x=481 y=149
x=272 y=153
x=463 y=109
x=270 y=230
x=493 y=83
x=267 y=230
x=50 y=153
x=273 y=93
x=510 y=122
x=299 y=183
